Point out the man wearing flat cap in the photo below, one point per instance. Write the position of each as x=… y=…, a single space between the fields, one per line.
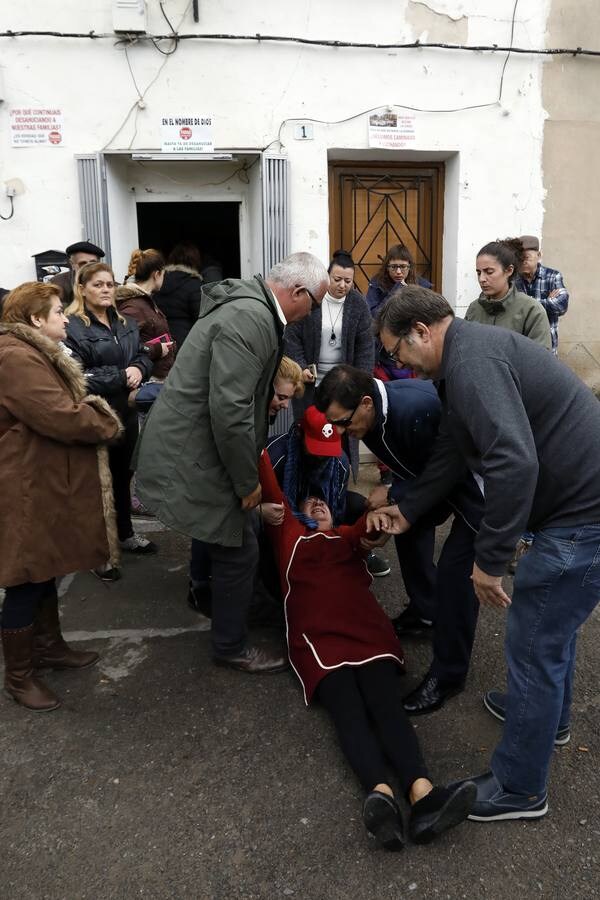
x=543 y=284
x=79 y=254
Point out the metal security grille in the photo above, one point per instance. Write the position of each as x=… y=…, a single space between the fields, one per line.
x=93 y=201
x=374 y=207
x=275 y=210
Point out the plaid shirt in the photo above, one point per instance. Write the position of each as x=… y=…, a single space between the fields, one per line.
x=545 y=281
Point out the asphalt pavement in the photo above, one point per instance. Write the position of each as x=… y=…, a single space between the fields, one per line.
x=163 y=776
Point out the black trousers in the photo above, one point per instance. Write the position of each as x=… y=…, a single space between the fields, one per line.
x=119 y=458
x=365 y=703
x=21 y=603
x=415 y=551
x=443 y=593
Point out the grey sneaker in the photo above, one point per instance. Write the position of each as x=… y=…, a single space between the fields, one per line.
x=137 y=543
x=378 y=566
x=495 y=703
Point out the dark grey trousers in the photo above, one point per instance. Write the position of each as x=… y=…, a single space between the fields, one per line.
x=234 y=571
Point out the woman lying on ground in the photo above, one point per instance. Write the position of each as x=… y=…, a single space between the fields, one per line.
x=56 y=514
x=345 y=652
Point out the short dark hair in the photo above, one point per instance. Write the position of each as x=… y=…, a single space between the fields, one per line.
x=345 y=385
x=186 y=254
x=410 y=305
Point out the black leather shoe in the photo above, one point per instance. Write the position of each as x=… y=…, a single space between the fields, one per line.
x=430 y=695
x=383 y=820
x=411 y=623
x=441 y=809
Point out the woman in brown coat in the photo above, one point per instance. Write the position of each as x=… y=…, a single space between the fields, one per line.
x=135 y=299
x=55 y=482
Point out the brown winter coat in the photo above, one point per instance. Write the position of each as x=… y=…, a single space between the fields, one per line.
x=132 y=301
x=56 y=510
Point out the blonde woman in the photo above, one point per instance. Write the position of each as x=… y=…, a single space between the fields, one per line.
x=56 y=514
x=109 y=349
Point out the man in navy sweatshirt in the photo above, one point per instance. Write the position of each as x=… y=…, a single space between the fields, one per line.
x=530 y=429
x=398 y=421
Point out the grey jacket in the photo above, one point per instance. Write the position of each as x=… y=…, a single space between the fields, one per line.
x=526 y=424
x=199 y=450
x=303 y=344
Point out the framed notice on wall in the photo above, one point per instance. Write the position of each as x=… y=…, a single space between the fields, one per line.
x=187 y=134
x=391 y=130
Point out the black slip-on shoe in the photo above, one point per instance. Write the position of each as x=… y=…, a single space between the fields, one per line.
x=441 y=809
x=383 y=820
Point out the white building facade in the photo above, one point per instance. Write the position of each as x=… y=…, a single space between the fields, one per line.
x=452 y=159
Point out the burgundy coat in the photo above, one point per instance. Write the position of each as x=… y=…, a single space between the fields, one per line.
x=134 y=302
x=332 y=618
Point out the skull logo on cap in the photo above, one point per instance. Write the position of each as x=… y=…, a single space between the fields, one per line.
x=327 y=430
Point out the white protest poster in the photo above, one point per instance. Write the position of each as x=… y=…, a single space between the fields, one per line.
x=187 y=134
x=391 y=130
x=32 y=126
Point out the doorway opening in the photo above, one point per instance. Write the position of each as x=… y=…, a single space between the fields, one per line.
x=213 y=227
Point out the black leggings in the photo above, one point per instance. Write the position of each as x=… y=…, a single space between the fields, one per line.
x=365 y=704
x=21 y=603
x=119 y=458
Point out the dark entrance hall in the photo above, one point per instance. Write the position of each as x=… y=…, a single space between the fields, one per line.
x=213 y=227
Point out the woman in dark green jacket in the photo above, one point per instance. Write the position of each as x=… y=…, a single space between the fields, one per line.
x=500 y=303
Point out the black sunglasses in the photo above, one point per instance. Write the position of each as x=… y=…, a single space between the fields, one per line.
x=343 y=423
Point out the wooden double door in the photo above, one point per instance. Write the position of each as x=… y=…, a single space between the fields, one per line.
x=374 y=206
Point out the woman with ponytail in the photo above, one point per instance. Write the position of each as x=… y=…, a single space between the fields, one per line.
x=500 y=303
x=135 y=299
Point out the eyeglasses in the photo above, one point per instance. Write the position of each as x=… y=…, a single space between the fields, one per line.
x=343 y=423
x=392 y=355
x=313 y=301
x=399 y=267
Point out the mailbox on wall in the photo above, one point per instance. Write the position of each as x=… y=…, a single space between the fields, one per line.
x=50 y=263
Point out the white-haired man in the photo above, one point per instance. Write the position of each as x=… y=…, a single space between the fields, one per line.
x=198 y=456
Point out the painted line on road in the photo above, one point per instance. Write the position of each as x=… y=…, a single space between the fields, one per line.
x=135 y=635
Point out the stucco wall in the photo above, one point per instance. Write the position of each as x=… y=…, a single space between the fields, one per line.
x=571 y=96
x=493 y=180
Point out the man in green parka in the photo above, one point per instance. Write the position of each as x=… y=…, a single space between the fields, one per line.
x=197 y=464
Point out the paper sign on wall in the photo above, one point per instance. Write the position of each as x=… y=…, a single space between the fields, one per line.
x=187 y=134
x=391 y=130
x=31 y=126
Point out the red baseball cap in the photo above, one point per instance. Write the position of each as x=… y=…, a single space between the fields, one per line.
x=321 y=438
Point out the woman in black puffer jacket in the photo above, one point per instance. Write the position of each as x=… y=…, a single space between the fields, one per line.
x=179 y=296
x=111 y=354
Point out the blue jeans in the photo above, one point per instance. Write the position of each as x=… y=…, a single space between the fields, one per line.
x=556 y=587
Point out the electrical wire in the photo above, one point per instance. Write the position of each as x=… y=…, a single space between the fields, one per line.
x=314 y=42
x=12 y=210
